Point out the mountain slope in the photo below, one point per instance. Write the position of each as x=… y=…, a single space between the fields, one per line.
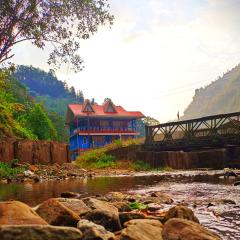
x=46 y=88
x=221 y=96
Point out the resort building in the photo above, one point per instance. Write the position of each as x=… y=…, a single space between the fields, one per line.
x=93 y=125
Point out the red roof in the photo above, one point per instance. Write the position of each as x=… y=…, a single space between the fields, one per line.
x=100 y=111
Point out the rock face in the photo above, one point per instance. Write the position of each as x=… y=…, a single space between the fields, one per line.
x=142 y=229
x=76 y=205
x=17 y=213
x=175 y=229
x=96 y=204
x=180 y=212
x=38 y=232
x=109 y=220
x=91 y=231
x=55 y=213
x=6 y=151
x=34 y=152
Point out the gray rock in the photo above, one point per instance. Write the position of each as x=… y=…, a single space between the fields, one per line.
x=39 y=232
x=110 y=220
x=94 y=231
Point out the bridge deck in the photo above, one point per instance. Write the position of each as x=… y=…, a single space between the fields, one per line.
x=211 y=131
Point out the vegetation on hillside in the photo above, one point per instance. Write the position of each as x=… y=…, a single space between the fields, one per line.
x=221 y=96
x=20 y=115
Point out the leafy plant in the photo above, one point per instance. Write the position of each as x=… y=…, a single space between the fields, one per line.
x=138 y=205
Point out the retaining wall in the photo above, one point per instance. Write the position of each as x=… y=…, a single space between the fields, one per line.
x=213 y=158
x=34 y=152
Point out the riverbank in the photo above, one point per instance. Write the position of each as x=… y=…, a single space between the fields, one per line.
x=115 y=215
x=213 y=197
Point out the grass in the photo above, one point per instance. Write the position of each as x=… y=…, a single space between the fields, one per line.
x=6 y=171
x=141 y=166
x=99 y=157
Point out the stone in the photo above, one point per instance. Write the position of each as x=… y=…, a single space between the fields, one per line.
x=28 y=173
x=110 y=220
x=162 y=197
x=39 y=232
x=236 y=183
x=180 y=212
x=122 y=206
x=69 y=195
x=176 y=228
x=17 y=213
x=91 y=231
x=154 y=206
x=56 y=213
x=76 y=205
x=127 y=216
x=142 y=229
x=96 y=204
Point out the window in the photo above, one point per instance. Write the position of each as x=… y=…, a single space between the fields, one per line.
x=84 y=140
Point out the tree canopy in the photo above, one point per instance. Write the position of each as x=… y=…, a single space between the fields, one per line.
x=62 y=23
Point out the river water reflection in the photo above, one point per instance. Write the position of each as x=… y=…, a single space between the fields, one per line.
x=197 y=192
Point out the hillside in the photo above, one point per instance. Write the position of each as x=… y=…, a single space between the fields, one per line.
x=47 y=89
x=20 y=115
x=221 y=96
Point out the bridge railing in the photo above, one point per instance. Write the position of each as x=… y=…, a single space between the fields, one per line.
x=194 y=131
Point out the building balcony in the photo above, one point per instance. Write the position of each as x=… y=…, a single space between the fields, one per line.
x=104 y=130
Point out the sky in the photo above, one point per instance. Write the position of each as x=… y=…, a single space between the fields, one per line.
x=155 y=55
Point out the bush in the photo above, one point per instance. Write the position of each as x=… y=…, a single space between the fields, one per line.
x=141 y=166
x=138 y=205
x=6 y=171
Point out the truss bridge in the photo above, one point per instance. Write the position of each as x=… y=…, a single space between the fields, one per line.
x=215 y=131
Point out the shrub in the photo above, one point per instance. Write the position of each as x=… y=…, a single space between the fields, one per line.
x=138 y=205
x=7 y=171
x=141 y=166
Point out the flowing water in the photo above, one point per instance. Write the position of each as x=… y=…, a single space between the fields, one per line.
x=199 y=191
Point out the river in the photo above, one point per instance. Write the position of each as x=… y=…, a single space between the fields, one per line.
x=201 y=192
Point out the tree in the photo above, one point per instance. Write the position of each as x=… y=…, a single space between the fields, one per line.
x=62 y=23
x=149 y=121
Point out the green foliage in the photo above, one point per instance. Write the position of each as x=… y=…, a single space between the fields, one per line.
x=38 y=121
x=138 y=206
x=141 y=166
x=6 y=171
x=20 y=116
x=62 y=23
x=96 y=158
x=221 y=96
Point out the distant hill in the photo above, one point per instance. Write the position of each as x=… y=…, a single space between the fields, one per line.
x=46 y=88
x=221 y=96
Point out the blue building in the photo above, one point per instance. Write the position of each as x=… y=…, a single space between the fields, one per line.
x=93 y=125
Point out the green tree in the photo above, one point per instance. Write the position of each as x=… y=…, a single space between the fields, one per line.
x=59 y=22
x=40 y=124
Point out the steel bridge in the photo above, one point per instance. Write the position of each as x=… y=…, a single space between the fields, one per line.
x=207 y=132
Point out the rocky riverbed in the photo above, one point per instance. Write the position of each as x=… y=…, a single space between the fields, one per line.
x=114 y=215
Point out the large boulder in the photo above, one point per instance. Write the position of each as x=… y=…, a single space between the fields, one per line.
x=142 y=229
x=110 y=220
x=176 y=228
x=55 y=213
x=127 y=216
x=162 y=197
x=17 y=213
x=39 y=232
x=76 y=205
x=91 y=231
x=122 y=206
x=96 y=204
x=180 y=212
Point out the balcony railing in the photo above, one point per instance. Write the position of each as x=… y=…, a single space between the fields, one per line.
x=103 y=130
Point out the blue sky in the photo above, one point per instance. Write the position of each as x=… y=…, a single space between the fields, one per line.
x=155 y=55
